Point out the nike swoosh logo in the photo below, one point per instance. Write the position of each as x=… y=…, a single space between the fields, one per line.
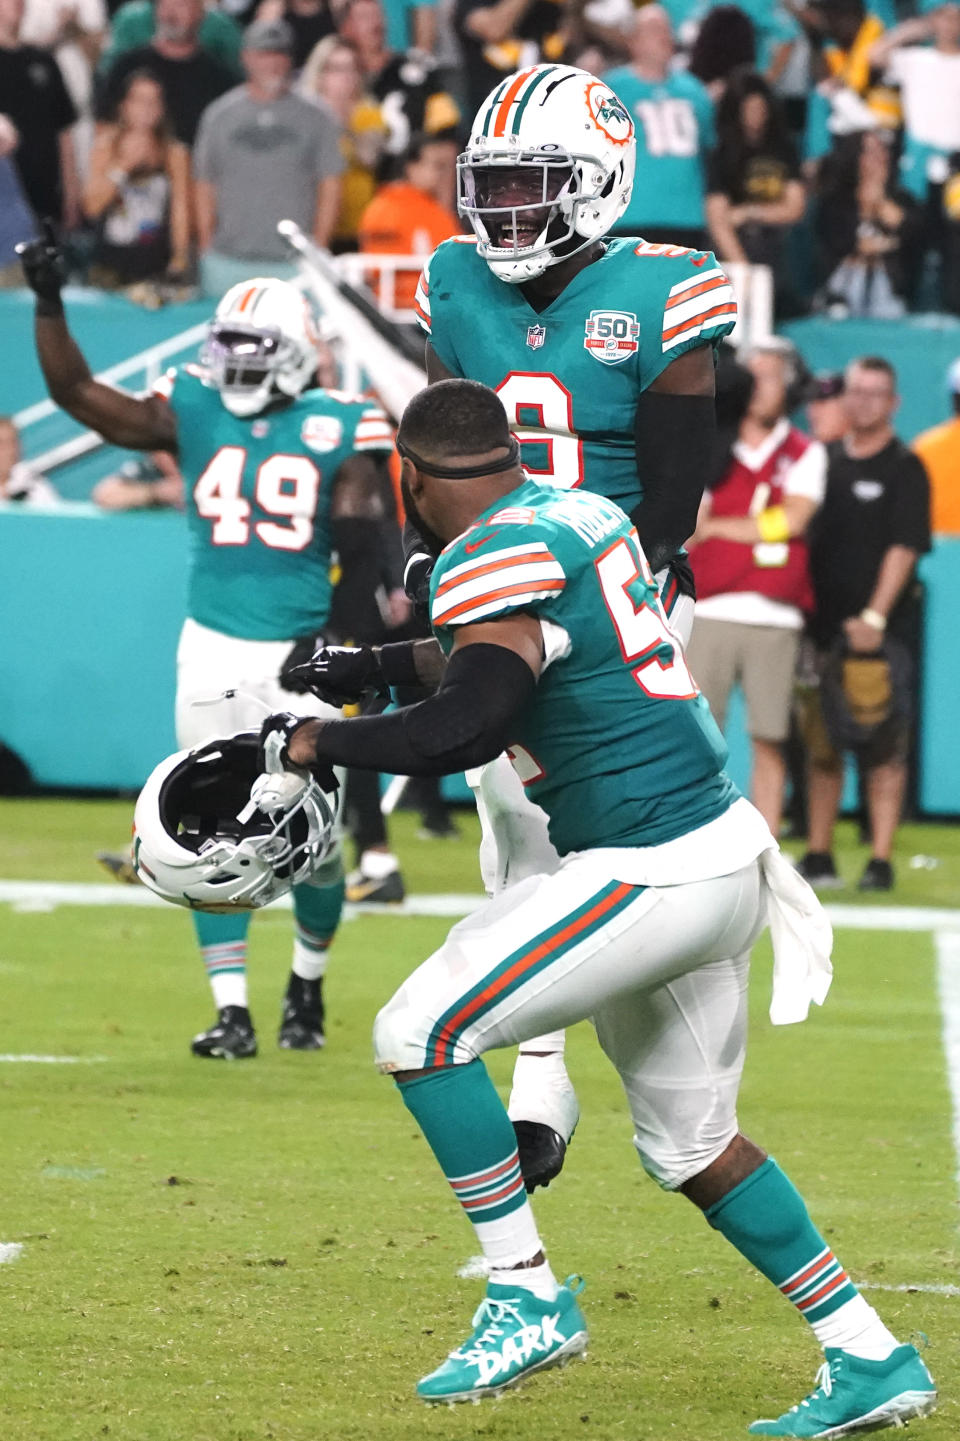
x=471 y=545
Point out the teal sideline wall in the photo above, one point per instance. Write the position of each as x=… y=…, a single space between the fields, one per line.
x=91 y=604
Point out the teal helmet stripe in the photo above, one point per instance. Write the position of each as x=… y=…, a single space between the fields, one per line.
x=522 y=103
x=495 y=99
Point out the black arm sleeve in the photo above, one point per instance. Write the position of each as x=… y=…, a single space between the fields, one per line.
x=466 y=723
x=675 y=436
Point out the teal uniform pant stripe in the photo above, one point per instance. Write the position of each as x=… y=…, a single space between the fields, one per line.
x=528 y=961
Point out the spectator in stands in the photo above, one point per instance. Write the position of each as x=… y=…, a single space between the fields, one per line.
x=674 y=119
x=826 y=413
x=74 y=34
x=407 y=85
x=929 y=80
x=867 y=227
x=750 y=565
x=310 y=20
x=755 y=193
x=263 y=154
x=864 y=544
x=19 y=482
x=411 y=24
x=726 y=42
x=16 y=220
x=137 y=193
x=413 y=215
x=333 y=76
x=847 y=99
x=191 y=79
x=34 y=100
x=146 y=482
x=499 y=36
x=133 y=26
x=939 y=449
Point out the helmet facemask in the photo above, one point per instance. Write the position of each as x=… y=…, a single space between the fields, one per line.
x=247 y=365
x=525 y=207
x=202 y=839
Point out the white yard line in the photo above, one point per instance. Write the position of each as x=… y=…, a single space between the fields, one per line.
x=47 y=895
x=948 y=983
x=10 y=1251
x=927 y=1290
x=31 y=1060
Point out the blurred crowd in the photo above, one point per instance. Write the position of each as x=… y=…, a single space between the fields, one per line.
x=167 y=137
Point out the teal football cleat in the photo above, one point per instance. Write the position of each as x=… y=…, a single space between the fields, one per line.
x=514 y=1334
x=856 y=1395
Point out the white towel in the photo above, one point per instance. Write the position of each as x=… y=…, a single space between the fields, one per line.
x=802 y=941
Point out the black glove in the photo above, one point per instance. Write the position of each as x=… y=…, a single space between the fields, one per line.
x=275 y=736
x=300 y=654
x=340 y=674
x=416 y=582
x=45 y=268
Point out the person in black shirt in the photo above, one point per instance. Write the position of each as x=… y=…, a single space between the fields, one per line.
x=498 y=37
x=754 y=190
x=190 y=77
x=34 y=99
x=864 y=543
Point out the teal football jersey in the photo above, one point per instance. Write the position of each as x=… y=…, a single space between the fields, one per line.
x=675 y=132
x=617 y=746
x=258 y=495
x=569 y=376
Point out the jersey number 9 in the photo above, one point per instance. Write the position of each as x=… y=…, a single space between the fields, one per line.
x=540 y=412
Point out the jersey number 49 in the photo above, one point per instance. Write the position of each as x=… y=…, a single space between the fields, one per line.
x=286 y=486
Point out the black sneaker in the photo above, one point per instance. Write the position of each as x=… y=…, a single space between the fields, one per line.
x=542 y=1151
x=878 y=876
x=301 y=1024
x=818 y=870
x=231 y=1039
x=368 y=890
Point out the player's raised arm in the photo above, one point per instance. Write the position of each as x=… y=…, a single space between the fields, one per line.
x=675 y=433
x=122 y=419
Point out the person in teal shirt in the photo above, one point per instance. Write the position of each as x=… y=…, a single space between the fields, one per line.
x=674 y=118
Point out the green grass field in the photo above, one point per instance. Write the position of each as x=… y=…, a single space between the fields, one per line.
x=266 y=1251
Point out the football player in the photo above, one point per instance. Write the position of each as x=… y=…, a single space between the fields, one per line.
x=602 y=352
x=272 y=467
x=560 y=651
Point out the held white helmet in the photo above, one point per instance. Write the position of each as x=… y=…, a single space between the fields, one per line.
x=213 y=833
x=548 y=169
x=261 y=340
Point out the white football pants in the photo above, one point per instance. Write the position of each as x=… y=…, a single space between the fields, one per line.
x=662 y=973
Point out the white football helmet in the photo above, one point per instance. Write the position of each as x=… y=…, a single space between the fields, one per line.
x=261 y=340
x=548 y=169
x=213 y=833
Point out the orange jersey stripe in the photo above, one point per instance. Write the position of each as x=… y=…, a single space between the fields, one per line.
x=729 y=309
x=696 y=290
x=503 y=593
x=481 y=569
x=503 y=114
x=525 y=962
x=420 y=310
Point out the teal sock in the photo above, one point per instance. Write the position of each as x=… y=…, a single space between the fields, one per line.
x=467 y=1128
x=317 y=908
x=223 y=945
x=766 y=1219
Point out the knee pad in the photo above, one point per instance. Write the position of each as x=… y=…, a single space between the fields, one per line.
x=679 y=1133
x=400 y=1035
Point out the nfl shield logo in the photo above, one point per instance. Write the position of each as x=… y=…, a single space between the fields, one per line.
x=259 y=429
x=536 y=335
